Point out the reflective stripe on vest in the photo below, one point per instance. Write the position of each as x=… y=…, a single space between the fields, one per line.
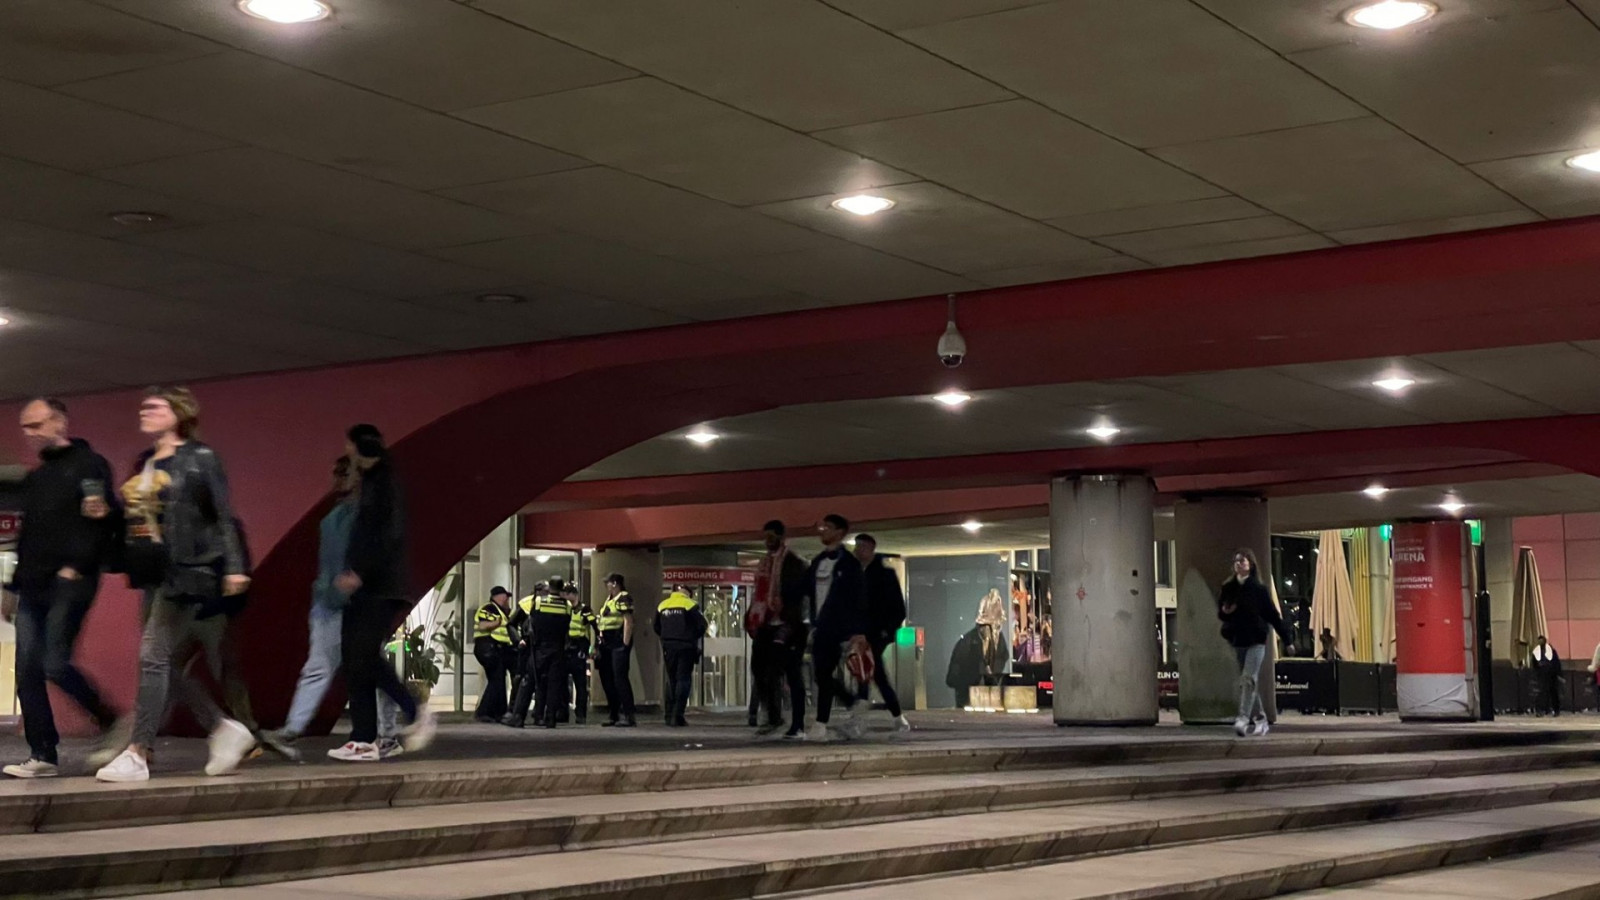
x=492 y=613
x=578 y=626
x=610 y=616
x=552 y=606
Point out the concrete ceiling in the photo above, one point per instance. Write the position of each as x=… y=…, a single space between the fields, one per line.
x=345 y=190
x=1517 y=382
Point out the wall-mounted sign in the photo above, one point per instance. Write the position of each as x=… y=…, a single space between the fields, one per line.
x=708 y=575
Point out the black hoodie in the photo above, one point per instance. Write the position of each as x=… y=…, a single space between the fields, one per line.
x=55 y=533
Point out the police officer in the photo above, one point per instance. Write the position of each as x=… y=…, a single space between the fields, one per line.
x=525 y=684
x=492 y=647
x=681 y=627
x=580 y=635
x=547 y=632
x=616 y=652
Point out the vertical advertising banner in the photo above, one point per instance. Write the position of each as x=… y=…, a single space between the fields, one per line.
x=1433 y=616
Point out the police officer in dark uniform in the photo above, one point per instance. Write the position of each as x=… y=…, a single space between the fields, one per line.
x=492 y=646
x=615 y=658
x=580 y=635
x=525 y=684
x=547 y=630
x=681 y=626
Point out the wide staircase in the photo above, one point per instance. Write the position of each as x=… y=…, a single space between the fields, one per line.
x=1471 y=812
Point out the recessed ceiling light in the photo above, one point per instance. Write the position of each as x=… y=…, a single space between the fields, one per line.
x=1589 y=162
x=1376 y=491
x=501 y=298
x=542 y=558
x=1394 y=384
x=972 y=526
x=1390 y=14
x=1105 y=432
x=4 y=321
x=1452 y=506
x=703 y=436
x=952 y=398
x=133 y=217
x=863 y=204
x=286 y=12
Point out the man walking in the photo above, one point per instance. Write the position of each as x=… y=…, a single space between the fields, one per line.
x=1547 y=676
x=886 y=612
x=616 y=652
x=776 y=625
x=681 y=626
x=68 y=517
x=836 y=596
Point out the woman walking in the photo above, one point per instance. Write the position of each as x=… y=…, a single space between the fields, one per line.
x=1247 y=612
x=183 y=549
x=374 y=578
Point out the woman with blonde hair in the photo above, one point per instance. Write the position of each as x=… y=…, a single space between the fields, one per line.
x=184 y=551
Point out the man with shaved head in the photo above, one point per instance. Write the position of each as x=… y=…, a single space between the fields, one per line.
x=68 y=526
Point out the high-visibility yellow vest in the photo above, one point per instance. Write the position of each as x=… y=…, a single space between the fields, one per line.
x=582 y=619
x=492 y=613
x=554 y=606
x=613 y=611
x=677 y=600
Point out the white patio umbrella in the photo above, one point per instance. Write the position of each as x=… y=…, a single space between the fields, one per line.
x=1527 y=609
x=1333 y=601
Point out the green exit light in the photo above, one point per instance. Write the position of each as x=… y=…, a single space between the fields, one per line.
x=1475 y=526
x=1386 y=532
x=906 y=637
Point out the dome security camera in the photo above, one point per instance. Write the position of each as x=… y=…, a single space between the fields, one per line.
x=952 y=347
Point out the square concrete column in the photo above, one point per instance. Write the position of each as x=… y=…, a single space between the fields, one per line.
x=642 y=570
x=1104 y=653
x=1209 y=529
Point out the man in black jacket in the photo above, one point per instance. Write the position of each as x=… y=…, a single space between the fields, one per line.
x=776 y=625
x=375 y=581
x=682 y=627
x=1547 y=677
x=886 y=612
x=68 y=522
x=836 y=597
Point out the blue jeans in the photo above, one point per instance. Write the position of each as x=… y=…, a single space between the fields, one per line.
x=322 y=661
x=1250 y=659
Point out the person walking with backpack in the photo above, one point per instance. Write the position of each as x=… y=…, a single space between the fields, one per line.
x=1248 y=619
x=886 y=612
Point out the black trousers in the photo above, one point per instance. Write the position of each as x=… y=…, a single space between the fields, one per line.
x=550 y=674
x=368 y=622
x=48 y=623
x=495 y=658
x=880 y=677
x=527 y=685
x=1549 y=693
x=578 y=671
x=826 y=654
x=616 y=663
x=678 y=678
x=773 y=665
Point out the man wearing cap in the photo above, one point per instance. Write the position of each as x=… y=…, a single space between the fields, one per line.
x=580 y=644
x=492 y=647
x=616 y=652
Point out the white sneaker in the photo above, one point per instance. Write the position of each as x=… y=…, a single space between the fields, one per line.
x=902 y=725
x=817 y=733
x=112 y=742
x=419 y=734
x=33 y=768
x=1241 y=726
x=229 y=742
x=389 y=747
x=127 y=768
x=1261 y=728
x=356 y=752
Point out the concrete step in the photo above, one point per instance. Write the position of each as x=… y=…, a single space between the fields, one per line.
x=314 y=845
x=1568 y=873
x=268 y=790
x=750 y=865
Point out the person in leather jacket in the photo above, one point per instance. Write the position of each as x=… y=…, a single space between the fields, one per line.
x=183 y=549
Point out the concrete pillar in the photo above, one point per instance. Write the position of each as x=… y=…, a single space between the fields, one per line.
x=1208 y=529
x=1105 y=655
x=642 y=570
x=1500 y=570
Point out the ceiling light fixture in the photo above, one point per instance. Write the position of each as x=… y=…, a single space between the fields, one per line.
x=1390 y=14
x=972 y=526
x=1105 y=432
x=863 y=204
x=1452 y=506
x=134 y=217
x=286 y=12
x=703 y=436
x=501 y=298
x=952 y=398
x=1376 y=491
x=1394 y=384
x=1589 y=162
x=4 y=321
x=542 y=558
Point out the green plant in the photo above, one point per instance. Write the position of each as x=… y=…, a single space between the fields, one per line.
x=421 y=660
x=448 y=639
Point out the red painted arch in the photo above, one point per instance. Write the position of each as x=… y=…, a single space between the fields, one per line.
x=478 y=434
